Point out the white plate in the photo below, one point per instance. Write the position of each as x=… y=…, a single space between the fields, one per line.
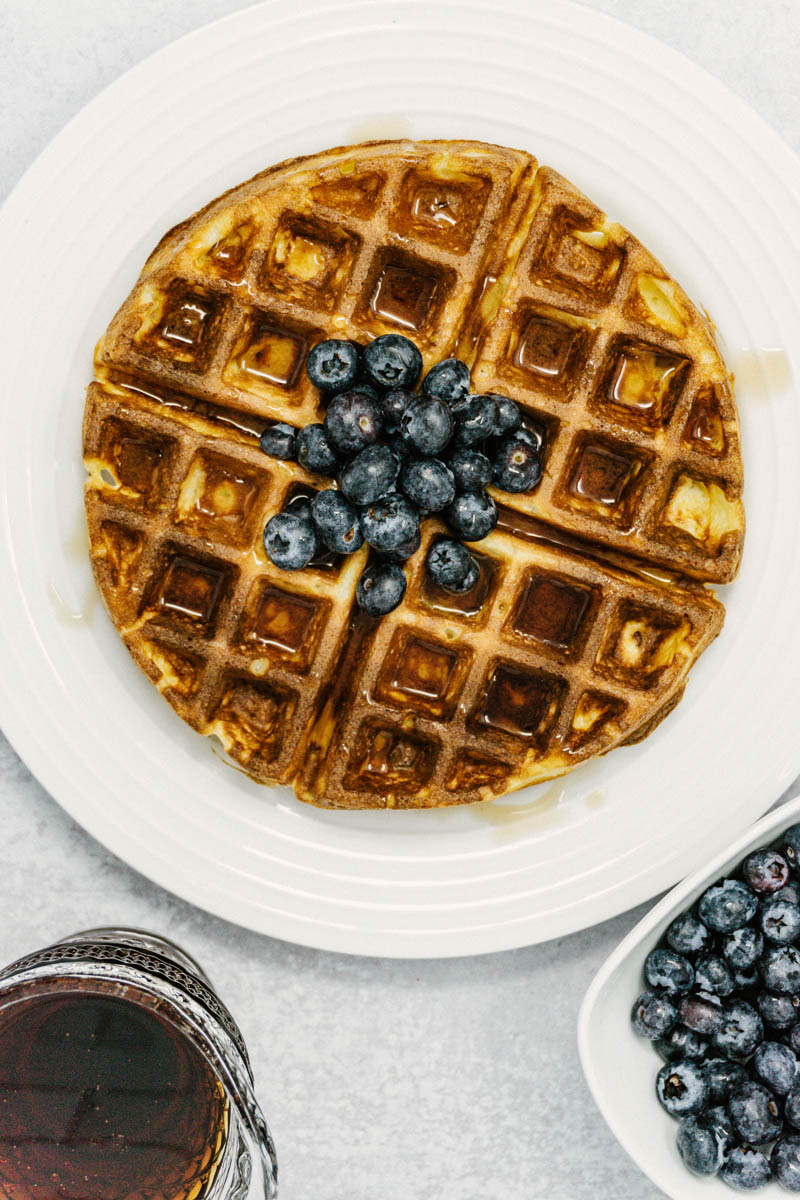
x=707 y=186
x=610 y=1051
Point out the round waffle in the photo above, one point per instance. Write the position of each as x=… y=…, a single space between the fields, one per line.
x=591 y=605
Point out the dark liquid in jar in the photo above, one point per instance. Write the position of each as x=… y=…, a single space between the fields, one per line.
x=101 y=1099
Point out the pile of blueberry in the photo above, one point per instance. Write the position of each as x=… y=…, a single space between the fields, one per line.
x=397 y=456
x=723 y=1010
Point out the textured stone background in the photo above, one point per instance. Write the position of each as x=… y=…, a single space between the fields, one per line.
x=382 y=1080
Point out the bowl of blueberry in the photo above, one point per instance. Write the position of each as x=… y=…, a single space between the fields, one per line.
x=689 y=1035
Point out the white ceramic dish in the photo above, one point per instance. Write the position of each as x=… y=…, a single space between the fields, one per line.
x=664 y=148
x=621 y=1067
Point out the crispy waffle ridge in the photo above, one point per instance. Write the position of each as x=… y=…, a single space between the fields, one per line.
x=590 y=608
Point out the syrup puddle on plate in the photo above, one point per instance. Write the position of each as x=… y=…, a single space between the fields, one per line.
x=76 y=546
x=596 y=799
x=757 y=374
x=544 y=812
x=219 y=751
x=512 y=820
x=67 y=615
x=76 y=550
x=389 y=128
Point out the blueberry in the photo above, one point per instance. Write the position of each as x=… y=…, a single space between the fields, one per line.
x=280 y=441
x=370 y=475
x=765 y=871
x=794 y=1036
x=392 y=361
x=742 y=948
x=666 y=969
x=429 y=483
x=290 y=541
x=791 y=1108
x=300 y=505
x=723 y=1074
x=475 y=418
x=780 y=969
x=777 y=1066
x=791 y=845
x=790 y=892
x=427 y=425
x=745 y=980
x=508 y=416
x=448 y=564
x=712 y=974
x=399 y=448
x=390 y=522
x=404 y=552
x=517 y=466
x=471 y=470
x=698 y=1147
x=778 y=1011
x=681 y=1042
x=754 y=1112
x=533 y=434
x=727 y=906
x=333 y=365
x=381 y=588
x=471 y=516
x=780 y=921
x=717 y=1120
x=701 y=1012
x=745 y=1169
x=741 y=1031
x=364 y=389
x=353 y=421
x=336 y=522
x=785 y=1161
x=448 y=381
x=469 y=581
x=314 y=451
x=682 y=1088
x=393 y=405
x=687 y=935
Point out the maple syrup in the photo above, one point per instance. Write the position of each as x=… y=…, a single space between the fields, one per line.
x=511 y=821
x=104 y=1098
x=403 y=296
x=521 y=702
x=552 y=611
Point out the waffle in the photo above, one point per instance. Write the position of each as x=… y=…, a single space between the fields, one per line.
x=590 y=608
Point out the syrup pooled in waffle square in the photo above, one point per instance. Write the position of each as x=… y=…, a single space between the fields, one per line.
x=589 y=610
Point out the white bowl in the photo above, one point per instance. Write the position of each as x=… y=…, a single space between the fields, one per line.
x=621 y=1067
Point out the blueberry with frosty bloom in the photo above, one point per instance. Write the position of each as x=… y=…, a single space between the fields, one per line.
x=333 y=365
x=682 y=1088
x=392 y=361
x=370 y=475
x=290 y=541
x=727 y=905
x=381 y=588
x=447 y=381
x=688 y=935
x=745 y=1169
x=336 y=522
